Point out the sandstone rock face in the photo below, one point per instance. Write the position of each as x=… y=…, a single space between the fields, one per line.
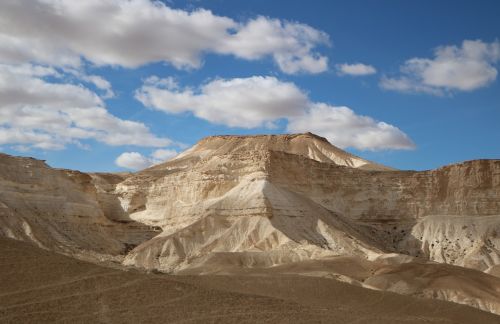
x=65 y=211
x=449 y=215
x=289 y=203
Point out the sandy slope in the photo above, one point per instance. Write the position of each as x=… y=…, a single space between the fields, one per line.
x=396 y=273
x=272 y=205
x=46 y=287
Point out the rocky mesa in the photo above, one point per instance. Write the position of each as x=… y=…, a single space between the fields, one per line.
x=272 y=204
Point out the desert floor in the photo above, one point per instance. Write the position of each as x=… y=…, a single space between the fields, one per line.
x=40 y=286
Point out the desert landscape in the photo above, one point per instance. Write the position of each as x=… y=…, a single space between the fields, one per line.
x=222 y=161
x=264 y=228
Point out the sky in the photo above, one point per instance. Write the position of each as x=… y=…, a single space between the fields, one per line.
x=115 y=85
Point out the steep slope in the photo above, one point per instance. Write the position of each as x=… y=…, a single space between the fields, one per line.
x=252 y=204
x=450 y=215
x=262 y=225
x=64 y=211
x=231 y=206
x=263 y=201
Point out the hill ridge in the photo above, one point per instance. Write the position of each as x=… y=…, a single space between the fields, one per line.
x=273 y=203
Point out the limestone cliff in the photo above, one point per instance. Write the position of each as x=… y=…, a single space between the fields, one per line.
x=290 y=203
x=65 y=211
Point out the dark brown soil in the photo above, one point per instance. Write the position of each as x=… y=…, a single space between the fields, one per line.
x=38 y=286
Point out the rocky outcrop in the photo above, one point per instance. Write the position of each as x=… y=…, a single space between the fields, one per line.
x=391 y=211
x=65 y=211
x=251 y=203
x=449 y=215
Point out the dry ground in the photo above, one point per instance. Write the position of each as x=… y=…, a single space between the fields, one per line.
x=38 y=286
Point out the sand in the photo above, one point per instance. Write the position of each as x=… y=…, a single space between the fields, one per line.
x=46 y=287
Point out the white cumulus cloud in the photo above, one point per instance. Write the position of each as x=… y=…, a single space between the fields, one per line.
x=465 y=68
x=290 y=44
x=262 y=100
x=49 y=115
x=240 y=102
x=133 y=161
x=356 y=69
x=344 y=128
x=137 y=161
x=131 y=33
x=96 y=80
x=161 y=155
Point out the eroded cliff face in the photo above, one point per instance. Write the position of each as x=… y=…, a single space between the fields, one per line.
x=449 y=215
x=468 y=188
x=244 y=203
x=65 y=211
x=232 y=205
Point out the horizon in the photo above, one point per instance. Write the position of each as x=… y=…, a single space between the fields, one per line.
x=117 y=85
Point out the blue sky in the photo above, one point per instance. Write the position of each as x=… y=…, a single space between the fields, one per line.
x=176 y=74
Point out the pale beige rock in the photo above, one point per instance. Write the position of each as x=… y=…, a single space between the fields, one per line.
x=65 y=211
x=234 y=204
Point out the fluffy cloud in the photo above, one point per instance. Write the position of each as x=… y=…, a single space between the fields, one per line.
x=96 y=80
x=357 y=69
x=260 y=101
x=133 y=161
x=50 y=115
x=453 y=68
x=137 y=161
x=161 y=155
x=241 y=102
x=344 y=128
x=136 y=32
x=290 y=44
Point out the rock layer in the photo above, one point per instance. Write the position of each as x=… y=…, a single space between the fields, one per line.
x=250 y=203
x=65 y=211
